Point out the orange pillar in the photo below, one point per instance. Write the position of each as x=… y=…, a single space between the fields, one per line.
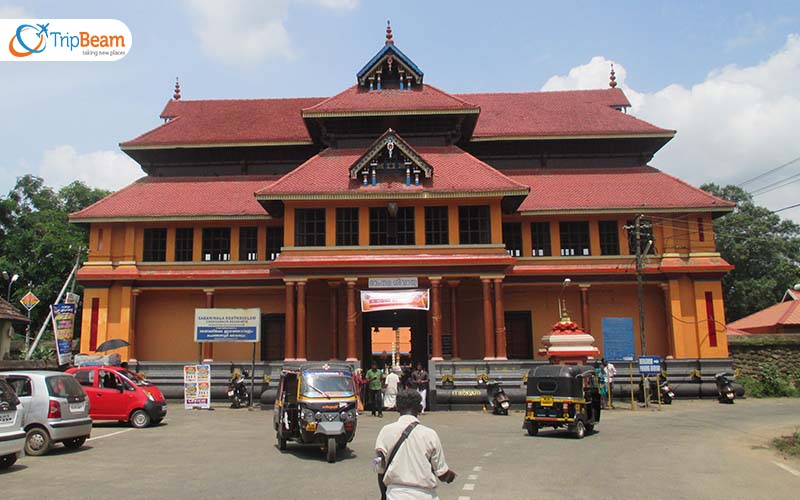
x=334 y=288
x=288 y=339
x=586 y=321
x=132 y=336
x=488 y=334
x=351 y=320
x=301 y=320
x=436 y=319
x=453 y=320
x=499 y=319
x=208 y=347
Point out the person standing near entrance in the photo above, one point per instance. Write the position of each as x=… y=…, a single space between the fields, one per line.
x=374 y=386
x=610 y=372
x=392 y=386
x=420 y=381
x=409 y=455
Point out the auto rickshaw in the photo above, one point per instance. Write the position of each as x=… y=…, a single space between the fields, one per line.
x=316 y=404
x=562 y=396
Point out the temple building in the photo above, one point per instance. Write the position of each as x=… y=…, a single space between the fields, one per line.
x=484 y=201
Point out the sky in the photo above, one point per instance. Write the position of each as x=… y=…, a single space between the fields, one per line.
x=724 y=74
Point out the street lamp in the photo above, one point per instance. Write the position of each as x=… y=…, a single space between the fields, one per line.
x=11 y=281
x=797 y=287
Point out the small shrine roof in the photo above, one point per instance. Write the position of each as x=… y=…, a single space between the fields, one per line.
x=611 y=189
x=180 y=198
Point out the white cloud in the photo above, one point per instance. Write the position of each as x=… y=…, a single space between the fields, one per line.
x=13 y=12
x=99 y=169
x=738 y=123
x=243 y=32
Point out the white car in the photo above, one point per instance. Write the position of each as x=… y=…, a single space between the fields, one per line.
x=56 y=409
x=12 y=437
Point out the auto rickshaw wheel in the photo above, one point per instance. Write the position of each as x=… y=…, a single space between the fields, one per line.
x=580 y=429
x=331 y=449
x=281 y=442
x=533 y=429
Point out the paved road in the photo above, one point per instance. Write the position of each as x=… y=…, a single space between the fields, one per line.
x=691 y=450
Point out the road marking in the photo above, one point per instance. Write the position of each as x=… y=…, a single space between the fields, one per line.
x=108 y=435
x=472 y=477
x=487 y=454
x=477 y=468
x=469 y=487
x=463 y=498
x=787 y=469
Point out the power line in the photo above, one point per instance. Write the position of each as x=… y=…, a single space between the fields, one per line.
x=775 y=185
x=786 y=208
x=769 y=172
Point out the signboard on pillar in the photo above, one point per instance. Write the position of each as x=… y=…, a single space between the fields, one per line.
x=227 y=325
x=388 y=300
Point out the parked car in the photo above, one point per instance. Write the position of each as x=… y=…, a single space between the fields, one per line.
x=116 y=393
x=12 y=437
x=56 y=409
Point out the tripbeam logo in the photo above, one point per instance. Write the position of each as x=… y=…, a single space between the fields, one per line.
x=64 y=40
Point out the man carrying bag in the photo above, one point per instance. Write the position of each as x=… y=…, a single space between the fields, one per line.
x=409 y=456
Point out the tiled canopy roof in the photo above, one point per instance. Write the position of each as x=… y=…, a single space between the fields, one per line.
x=233 y=121
x=180 y=198
x=769 y=319
x=280 y=121
x=11 y=313
x=327 y=175
x=360 y=101
x=563 y=113
x=559 y=190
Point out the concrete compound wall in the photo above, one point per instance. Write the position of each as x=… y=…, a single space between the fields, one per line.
x=751 y=352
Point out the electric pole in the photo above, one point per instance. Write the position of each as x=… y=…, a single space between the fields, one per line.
x=640 y=256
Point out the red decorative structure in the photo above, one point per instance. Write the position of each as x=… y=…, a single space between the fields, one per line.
x=613 y=79
x=177 y=95
x=568 y=344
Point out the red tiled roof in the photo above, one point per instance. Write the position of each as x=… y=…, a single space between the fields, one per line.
x=610 y=188
x=229 y=121
x=782 y=313
x=454 y=171
x=422 y=98
x=11 y=313
x=562 y=113
x=186 y=197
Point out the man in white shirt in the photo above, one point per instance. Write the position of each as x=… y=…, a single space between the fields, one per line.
x=419 y=461
x=392 y=384
x=610 y=371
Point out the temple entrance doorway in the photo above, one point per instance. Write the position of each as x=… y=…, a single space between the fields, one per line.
x=406 y=328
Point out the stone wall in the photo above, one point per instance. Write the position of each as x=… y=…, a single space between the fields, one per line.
x=749 y=352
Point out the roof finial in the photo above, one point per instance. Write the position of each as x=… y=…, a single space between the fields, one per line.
x=389 y=40
x=177 y=95
x=613 y=79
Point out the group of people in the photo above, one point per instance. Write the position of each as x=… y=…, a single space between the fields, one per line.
x=606 y=372
x=383 y=385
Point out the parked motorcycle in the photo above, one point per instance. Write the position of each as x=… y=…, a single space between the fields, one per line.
x=237 y=390
x=496 y=398
x=725 y=387
x=667 y=395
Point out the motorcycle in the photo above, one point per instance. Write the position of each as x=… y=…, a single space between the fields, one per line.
x=237 y=390
x=667 y=395
x=724 y=388
x=496 y=398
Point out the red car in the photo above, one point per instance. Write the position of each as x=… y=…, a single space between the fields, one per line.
x=117 y=393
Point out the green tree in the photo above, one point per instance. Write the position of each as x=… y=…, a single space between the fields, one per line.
x=36 y=240
x=764 y=248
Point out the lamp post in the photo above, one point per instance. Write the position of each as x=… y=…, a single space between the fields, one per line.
x=11 y=281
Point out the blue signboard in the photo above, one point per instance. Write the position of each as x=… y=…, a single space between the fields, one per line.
x=649 y=365
x=618 y=339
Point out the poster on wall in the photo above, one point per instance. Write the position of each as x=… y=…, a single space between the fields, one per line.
x=227 y=325
x=63 y=326
x=197 y=386
x=372 y=300
x=618 y=344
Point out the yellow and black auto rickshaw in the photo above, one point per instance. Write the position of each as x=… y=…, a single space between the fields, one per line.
x=562 y=396
x=316 y=404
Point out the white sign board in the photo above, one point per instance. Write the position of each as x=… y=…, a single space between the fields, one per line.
x=399 y=282
x=227 y=325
